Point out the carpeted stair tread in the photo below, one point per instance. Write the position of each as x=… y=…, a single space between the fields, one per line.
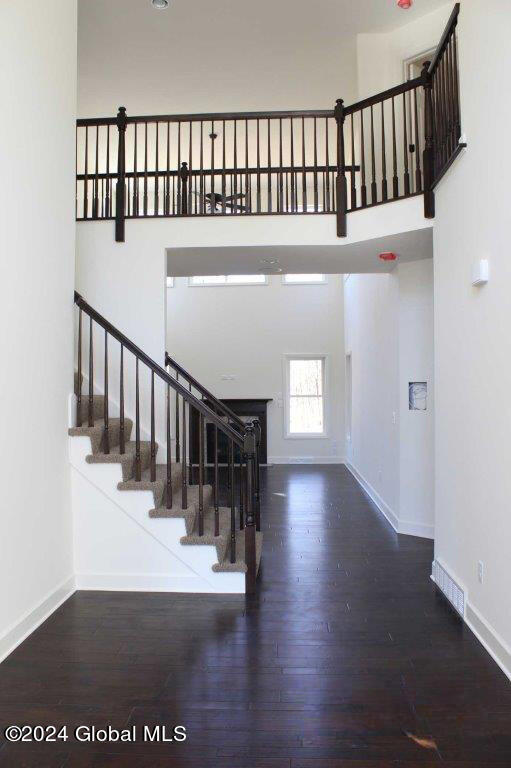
x=239 y=566
x=190 y=513
x=126 y=460
x=96 y=433
x=157 y=486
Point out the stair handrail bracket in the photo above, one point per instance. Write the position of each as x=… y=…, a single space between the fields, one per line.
x=239 y=436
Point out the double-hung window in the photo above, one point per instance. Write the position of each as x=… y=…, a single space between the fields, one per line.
x=305 y=395
x=206 y=280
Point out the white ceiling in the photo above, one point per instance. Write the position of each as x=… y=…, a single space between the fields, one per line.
x=325 y=259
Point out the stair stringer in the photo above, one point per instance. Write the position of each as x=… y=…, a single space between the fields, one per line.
x=192 y=563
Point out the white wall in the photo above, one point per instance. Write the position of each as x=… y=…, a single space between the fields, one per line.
x=199 y=57
x=380 y=55
x=472 y=360
x=246 y=331
x=38 y=86
x=389 y=334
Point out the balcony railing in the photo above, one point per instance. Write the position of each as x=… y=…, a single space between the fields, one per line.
x=387 y=147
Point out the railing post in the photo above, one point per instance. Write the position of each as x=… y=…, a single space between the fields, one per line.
x=121 y=177
x=257 y=428
x=429 y=148
x=249 y=449
x=341 y=186
x=184 y=174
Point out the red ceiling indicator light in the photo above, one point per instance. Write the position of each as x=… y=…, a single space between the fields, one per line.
x=388 y=256
x=405 y=4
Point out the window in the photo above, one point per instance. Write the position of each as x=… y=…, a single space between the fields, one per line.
x=303 y=279
x=170 y=282
x=228 y=280
x=305 y=388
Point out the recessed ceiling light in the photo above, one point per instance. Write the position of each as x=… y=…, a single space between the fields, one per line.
x=160 y=4
x=269 y=270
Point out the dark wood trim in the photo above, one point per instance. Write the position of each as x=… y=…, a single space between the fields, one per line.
x=384 y=95
x=459 y=149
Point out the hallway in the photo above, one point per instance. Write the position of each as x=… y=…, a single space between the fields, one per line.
x=346 y=651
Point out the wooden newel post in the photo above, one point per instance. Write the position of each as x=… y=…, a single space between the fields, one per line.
x=120 y=190
x=341 y=186
x=184 y=173
x=429 y=148
x=249 y=449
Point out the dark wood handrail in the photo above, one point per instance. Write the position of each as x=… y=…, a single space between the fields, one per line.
x=263 y=171
x=453 y=20
x=205 y=392
x=207 y=117
x=159 y=371
x=384 y=95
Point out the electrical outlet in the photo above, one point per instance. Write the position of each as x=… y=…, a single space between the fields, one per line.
x=480 y=571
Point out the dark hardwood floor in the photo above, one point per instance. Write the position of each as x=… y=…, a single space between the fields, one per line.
x=346 y=650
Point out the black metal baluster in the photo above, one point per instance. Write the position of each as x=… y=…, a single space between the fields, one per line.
x=153 y=437
x=418 y=173
x=233 y=509
x=224 y=180
x=191 y=196
x=216 y=488
x=292 y=151
x=122 y=442
x=247 y=175
x=270 y=202
x=91 y=375
x=258 y=187
x=353 y=184
x=108 y=200
x=315 y=177
x=168 y=494
x=201 y=475
x=135 y=168
x=281 y=175
x=184 y=484
x=202 y=191
x=405 y=148
x=178 y=448
x=241 y=489
x=234 y=209
x=79 y=383
x=374 y=192
x=145 y=169
x=304 y=173
x=86 y=175
x=166 y=191
x=212 y=184
x=384 y=191
x=106 y=438
x=156 y=210
x=95 y=201
x=138 y=462
x=190 y=467
x=327 y=161
x=363 y=188
x=395 y=179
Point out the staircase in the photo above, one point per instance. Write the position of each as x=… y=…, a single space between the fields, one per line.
x=220 y=543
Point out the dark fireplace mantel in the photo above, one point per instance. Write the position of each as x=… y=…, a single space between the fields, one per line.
x=255 y=408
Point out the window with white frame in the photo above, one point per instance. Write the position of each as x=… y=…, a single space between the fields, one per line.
x=305 y=396
x=210 y=280
x=303 y=279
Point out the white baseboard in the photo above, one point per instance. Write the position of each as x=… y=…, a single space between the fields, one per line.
x=142 y=582
x=33 y=618
x=384 y=508
x=405 y=527
x=306 y=459
x=491 y=641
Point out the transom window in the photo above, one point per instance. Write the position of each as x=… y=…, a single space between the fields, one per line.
x=228 y=280
x=305 y=406
x=303 y=279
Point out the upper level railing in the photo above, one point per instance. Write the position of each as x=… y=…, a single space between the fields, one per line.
x=383 y=148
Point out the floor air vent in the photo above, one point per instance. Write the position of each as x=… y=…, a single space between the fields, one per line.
x=451 y=590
